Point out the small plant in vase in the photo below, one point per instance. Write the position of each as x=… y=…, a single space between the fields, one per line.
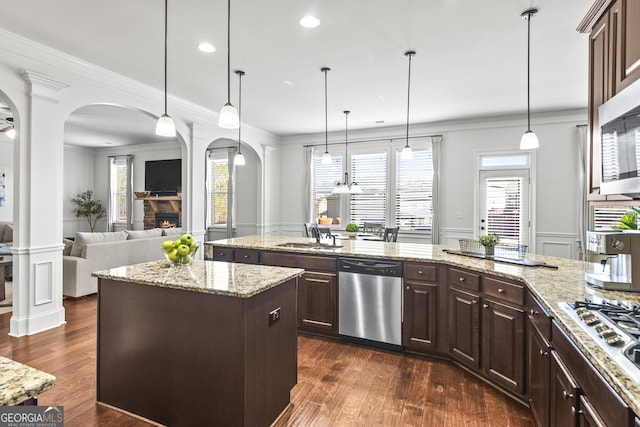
x=352 y=229
x=489 y=241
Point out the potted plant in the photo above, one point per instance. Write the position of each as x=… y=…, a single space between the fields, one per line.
x=352 y=229
x=629 y=220
x=90 y=208
x=489 y=241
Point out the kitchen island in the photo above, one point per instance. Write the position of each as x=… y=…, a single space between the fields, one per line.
x=212 y=343
x=549 y=286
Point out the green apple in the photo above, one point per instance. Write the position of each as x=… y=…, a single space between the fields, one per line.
x=187 y=239
x=176 y=243
x=193 y=248
x=183 y=250
x=167 y=245
x=173 y=255
x=185 y=259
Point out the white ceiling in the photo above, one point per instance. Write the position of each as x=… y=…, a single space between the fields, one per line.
x=470 y=62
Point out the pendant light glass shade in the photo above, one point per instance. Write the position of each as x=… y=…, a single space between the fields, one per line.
x=326 y=157
x=228 y=115
x=239 y=158
x=407 y=152
x=529 y=140
x=11 y=132
x=165 y=125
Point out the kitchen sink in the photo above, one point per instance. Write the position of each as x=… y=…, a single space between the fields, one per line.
x=309 y=245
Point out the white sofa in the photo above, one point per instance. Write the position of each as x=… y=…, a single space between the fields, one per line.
x=91 y=252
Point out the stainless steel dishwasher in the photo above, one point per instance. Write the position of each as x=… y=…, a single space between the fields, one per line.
x=370 y=300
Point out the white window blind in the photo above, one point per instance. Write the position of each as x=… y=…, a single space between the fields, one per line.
x=218 y=171
x=324 y=178
x=504 y=208
x=370 y=172
x=606 y=217
x=609 y=150
x=414 y=183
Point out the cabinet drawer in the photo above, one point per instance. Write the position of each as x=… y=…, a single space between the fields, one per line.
x=247 y=256
x=422 y=272
x=464 y=279
x=503 y=290
x=222 y=254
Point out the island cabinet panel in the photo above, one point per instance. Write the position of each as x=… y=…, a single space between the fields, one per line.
x=538 y=330
x=419 y=328
x=308 y=262
x=318 y=303
x=464 y=327
x=222 y=254
x=604 y=402
x=184 y=358
x=503 y=344
x=247 y=256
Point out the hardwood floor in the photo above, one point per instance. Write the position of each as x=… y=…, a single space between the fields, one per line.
x=338 y=384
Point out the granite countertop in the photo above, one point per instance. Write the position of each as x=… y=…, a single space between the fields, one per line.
x=211 y=277
x=550 y=286
x=20 y=382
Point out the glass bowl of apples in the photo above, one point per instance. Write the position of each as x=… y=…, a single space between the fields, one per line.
x=180 y=251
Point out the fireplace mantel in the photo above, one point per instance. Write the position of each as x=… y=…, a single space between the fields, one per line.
x=175 y=201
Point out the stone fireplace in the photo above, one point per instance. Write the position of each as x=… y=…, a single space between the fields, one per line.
x=162 y=211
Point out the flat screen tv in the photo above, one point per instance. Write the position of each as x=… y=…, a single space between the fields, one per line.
x=163 y=177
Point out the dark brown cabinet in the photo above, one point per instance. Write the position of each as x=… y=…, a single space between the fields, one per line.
x=614 y=63
x=538 y=330
x=318 y=302
x=419 y=329
x=564 y=394
x=503 y=344
x=588 y=416
x=245 y=256
x=464 y=327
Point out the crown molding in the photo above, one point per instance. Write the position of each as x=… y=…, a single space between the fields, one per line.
x=593 y=14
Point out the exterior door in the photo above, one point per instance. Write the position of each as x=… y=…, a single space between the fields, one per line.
x=504 y=205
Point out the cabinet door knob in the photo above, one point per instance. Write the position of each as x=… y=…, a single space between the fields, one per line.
x=461 y=279
x=408 y=288
x=485 y=305
x=566 y=395
x=544 y=353
x=419 y=271
x=500 y=290
x=574 y=411
x=246 y=256
x=533 y=312
x=475 y=301
x=221 y=254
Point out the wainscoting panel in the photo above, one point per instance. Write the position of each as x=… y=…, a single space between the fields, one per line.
x=562 y=245
x=43 y=282
x=450 y=236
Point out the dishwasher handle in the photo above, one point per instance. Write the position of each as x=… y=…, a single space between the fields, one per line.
x=372 y=267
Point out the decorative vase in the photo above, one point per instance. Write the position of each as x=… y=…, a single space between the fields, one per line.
x=352 y=234
x=489 y=251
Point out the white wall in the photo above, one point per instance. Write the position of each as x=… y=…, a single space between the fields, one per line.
x=555 y=174
x=6 y=162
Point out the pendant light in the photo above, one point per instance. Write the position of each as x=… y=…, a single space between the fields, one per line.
x=239 y=159
x=529 y=140
x=407 y=152
x=345 y=187
x=228 y=115
x=326 y=157
x=165 y=125
x=10 y=130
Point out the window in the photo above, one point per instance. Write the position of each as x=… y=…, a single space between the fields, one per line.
x=394 y=192
x=606 y=217
x=414 y=184
x=218 y=187
x=325 y=177
x=120 y=185
x=370 y=172
x=504 y=208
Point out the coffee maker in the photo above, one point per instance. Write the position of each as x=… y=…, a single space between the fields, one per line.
x=618 y=254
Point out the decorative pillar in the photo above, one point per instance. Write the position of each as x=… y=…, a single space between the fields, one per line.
x=38 y=244
x=269 y=202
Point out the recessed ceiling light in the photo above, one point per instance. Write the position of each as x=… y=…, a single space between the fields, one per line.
x=206 y=47
x=309 y=21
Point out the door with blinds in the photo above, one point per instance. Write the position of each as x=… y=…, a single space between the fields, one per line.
x=504 y=205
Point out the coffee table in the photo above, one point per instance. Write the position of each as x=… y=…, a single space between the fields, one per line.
x=5 y=261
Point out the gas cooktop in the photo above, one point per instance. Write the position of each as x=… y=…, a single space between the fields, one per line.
x=615 y=326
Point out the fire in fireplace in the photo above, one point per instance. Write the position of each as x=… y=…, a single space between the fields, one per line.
x=167 y=220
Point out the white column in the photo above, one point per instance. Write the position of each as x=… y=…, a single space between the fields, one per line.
x=38 y=249
x=268 y=204
x=193 y=194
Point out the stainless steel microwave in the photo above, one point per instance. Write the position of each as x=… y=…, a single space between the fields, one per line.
x=620 y=142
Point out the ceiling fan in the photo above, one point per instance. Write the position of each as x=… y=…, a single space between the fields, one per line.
x=6 y=127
